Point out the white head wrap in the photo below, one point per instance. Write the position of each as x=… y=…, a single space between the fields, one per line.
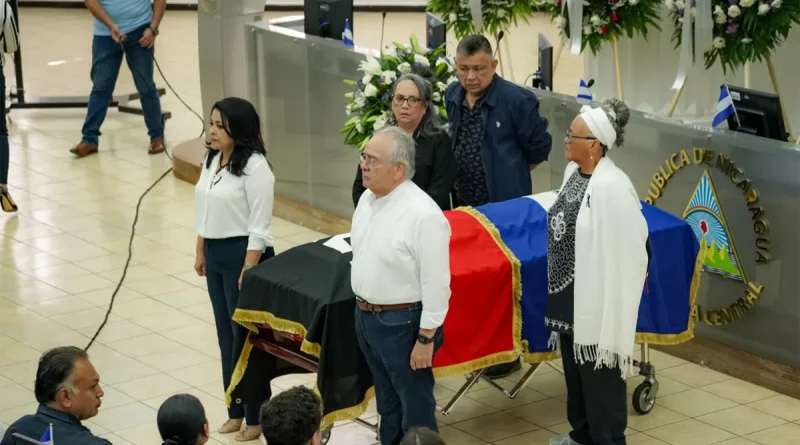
x=598 y=123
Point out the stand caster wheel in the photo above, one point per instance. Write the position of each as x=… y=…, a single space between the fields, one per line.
x=326 y=435
x=643 y=402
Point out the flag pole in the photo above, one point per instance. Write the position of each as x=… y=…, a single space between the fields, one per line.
x=615 y=46
x=676 y=98
x=774 y=78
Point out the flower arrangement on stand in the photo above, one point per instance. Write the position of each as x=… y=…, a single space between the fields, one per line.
x=370 y=104
x=743 y=30
x=495 y=15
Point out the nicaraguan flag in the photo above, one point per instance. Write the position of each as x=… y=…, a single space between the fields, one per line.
x=583 y=91
x=347 y=35
x=725 y=108
x=47 y=436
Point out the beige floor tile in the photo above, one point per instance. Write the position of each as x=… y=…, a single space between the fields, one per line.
x=551 y=384
x=158 y=286
x=85 y=319
x=123 y=370
x=59 y=306
x=788 y=433
x=44 y=335
x=206 y=399
x=467 y=409
x=690 y=432
x=146 y=434
x=11 y=415
x=214 y=390
x=201 y=335
x=495 y=427
x=20 y=372
x=79 y=254
x=116 y=331
x=199 y=375
x=138 y=308
x=58 y=242
x=143 y=345
x=741 y=420
x=106 y=263
x=694 y=375
x=533 y=438
x=14 y=396
x=666 y=386
x=658 y=417
x=739 y=391
x=125 y=417
x=498 y=400
x=114 y=398
x=116 y=440
x=785 y=407
x=543 y=414
x=695 y=403
x=102 y=297
x=65 y=270
x=308 y=236
x=281 y=245
x=737 y=441
x=173 y=359
x=201 y=311
x=165 y=321
x=185 y=298
x=134 y=273
x=151 y=386
x=643 y=439
x=77 y=285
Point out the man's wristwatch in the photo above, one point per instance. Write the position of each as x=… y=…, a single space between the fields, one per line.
x=424 y=340
x=154 y=31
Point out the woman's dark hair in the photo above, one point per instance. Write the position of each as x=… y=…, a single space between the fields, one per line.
x=181 y=420
x=432 y=122
x=421 y=436
x=241 y=122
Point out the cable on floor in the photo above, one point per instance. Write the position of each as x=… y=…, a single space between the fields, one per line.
x=141 y=199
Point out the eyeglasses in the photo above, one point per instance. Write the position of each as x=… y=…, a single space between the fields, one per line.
x=571 y=137
x=370 y=161
x=412 y=101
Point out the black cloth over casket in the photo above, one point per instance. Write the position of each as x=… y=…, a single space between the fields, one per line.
x=310 y=285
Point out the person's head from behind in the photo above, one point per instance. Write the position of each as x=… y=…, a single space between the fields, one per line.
x=293 y=417
x=421 y=436
x=387 y=160
x=67 y=381
x=234 y=129
x=412 y=105
x=182 y=420
x=595 y=131
x=475 y=64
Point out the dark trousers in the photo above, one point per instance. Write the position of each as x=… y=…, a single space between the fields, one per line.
x=224 y=263
x=597 y=407
x=106 y=62
x=404 y=396
x=4 y=149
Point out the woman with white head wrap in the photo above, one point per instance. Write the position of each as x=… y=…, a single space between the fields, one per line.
x=596 y=266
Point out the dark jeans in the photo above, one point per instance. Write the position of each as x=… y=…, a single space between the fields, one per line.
x=106 y=62
x=597 y=407
x=224 y=263
x=404 y=396
x=4 y=150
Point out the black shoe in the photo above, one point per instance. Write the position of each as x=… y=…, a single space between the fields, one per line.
x=504 y=370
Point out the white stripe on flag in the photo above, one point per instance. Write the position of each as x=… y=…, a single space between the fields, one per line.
x=545 y=199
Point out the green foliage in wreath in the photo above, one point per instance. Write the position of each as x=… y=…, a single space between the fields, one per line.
x=607 y=20
x=498 y=15
x=744 y=30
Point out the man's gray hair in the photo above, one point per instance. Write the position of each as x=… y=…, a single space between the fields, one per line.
x=404 y=149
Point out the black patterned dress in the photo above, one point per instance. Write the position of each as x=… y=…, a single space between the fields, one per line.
x=561 y=220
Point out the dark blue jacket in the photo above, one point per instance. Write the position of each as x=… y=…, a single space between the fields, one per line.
x=515 y=136
x=67 y=430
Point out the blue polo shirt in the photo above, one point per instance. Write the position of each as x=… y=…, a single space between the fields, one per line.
x=127 y=14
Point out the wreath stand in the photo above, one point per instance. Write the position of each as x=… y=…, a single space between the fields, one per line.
x=747 y=84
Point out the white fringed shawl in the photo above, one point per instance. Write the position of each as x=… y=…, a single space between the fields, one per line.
x=610 y=268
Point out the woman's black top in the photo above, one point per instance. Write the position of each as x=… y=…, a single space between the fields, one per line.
x=435 y=169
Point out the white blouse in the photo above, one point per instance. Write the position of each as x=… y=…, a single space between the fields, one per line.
x=227 y=206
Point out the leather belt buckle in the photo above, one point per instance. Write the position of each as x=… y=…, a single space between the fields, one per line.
x=375 y=308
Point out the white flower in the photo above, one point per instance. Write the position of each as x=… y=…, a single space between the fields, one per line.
x=719 y=42
x=379 y=123
x=442 y=61
x=366 y=79
x=588 y=29
x=388 y=77
x=718 y=10
x=451 y=80
x=348 y=109
x=370 y=66
x=436 y=97
x=777 y=4
x=763 y=9
x=359 y=127
x=441 y=86
x=501 y=13
x=404 y=68
x=693 y=11
x=371 y=90
x=453 y=17
x=390 y=51
x=680 y=4
x=595 y=20
x=560 y=21
x=422 y=60
x=747 y=40
x=734 y=11
x=747 y=3
x=721 y=19
x=670 y=4
x=359 y=101
x=633 y=2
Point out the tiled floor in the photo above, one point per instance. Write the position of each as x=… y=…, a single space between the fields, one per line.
x=62 y=255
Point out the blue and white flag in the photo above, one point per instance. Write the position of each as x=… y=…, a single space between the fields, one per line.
x=347 y=35
x=583 y=91
x=725 y=108
x=47 y=436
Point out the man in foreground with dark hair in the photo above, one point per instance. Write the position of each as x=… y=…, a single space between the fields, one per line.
x=68 y=391
x=293 y=417
x=498 y=136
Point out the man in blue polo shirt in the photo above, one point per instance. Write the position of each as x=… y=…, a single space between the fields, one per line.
x=123 y=28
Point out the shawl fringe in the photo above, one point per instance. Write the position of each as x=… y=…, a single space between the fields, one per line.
x=603 y=357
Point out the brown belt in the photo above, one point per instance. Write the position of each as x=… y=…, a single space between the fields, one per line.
x=369 y=307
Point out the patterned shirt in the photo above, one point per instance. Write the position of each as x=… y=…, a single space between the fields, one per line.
x=561 y=220
x=470 y=184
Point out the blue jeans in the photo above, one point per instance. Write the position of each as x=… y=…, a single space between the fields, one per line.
x=224 y=263
x=106 y=62
x=404 y=396
x=4 y=150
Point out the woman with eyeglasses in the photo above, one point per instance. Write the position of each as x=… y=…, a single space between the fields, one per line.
x=413 y=111
x=597 y=261
x=233 y=213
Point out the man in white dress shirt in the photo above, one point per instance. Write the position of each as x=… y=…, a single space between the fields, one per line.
x=401 y=276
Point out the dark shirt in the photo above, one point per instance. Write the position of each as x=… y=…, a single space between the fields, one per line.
x=515 y=135
x=561 y=220
x=435 y=169
x=66 y=428
x=470 y=184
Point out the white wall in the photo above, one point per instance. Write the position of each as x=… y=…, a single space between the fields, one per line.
x=285 y=2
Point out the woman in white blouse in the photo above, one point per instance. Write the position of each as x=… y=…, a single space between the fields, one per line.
x=233 y=212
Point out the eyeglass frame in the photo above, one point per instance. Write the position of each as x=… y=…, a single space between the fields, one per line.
x=407 y=100
x=570 y=138
x=371 y=161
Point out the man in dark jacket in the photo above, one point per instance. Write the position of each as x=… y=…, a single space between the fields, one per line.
x=498 y=136
x=68 y=391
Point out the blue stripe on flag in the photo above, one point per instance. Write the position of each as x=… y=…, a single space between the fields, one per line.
x=583 y=91
x=725 y=108
x=347 y=35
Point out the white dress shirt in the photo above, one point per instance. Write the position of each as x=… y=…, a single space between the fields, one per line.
x=227 y=206
x=401 y=252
